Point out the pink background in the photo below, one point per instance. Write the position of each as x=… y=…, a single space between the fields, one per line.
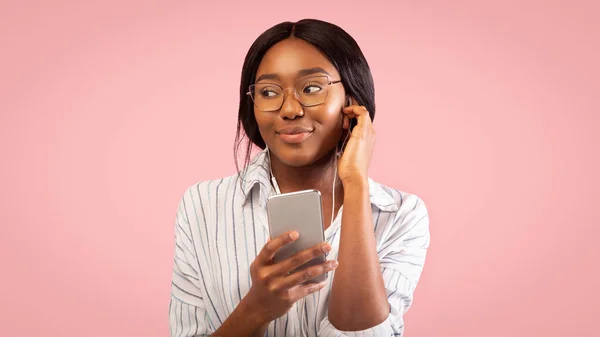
x=108 y=111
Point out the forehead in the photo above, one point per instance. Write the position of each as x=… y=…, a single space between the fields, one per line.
x=288 y=58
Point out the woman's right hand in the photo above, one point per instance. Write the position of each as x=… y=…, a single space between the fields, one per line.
x=274 y=291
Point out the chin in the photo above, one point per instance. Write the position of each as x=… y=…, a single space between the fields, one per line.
x=295 y=157
x=298 y=156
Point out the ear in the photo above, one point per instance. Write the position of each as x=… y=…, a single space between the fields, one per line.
x=348 y=101
x=351 y=100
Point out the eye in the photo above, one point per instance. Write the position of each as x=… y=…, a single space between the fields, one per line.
x=269 y=92
x=312 y=88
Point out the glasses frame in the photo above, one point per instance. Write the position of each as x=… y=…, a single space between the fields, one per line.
x=284 y=90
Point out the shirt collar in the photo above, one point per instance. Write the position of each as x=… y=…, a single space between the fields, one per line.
x=257 y=175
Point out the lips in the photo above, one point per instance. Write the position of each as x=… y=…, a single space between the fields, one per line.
x=290 y=130
x=294 y=134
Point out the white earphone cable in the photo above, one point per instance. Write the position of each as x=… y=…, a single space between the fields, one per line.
x=278 y=191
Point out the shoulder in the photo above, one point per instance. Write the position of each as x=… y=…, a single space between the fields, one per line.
x=201 y=200
x=401 y=202
x=409 y=219
x=209 y=189
x=234 y=185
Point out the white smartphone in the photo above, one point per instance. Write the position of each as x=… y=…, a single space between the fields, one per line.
x=301 y=211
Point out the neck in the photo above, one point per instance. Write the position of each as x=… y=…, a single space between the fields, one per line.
x=319 y=175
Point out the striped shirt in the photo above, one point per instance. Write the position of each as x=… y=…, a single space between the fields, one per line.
x=221 y=226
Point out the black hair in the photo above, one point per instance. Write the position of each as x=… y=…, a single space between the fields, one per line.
x=337 y=45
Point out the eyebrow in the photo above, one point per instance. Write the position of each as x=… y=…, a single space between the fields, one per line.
x=301 y=73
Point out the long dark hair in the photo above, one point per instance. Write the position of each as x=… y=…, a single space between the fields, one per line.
x=337 y=45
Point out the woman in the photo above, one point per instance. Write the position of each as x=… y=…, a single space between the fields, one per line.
x=304 y=87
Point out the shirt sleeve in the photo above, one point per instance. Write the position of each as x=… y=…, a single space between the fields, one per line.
x=187 y=313
x=401 y=257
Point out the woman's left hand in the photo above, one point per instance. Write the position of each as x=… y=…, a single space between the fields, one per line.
x=353 y=165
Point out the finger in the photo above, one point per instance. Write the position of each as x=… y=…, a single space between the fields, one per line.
x=272 y=246
x=346 y=122
x=359 y=112
x=353 y=103
x=308 y=273
x=303 y=256
x=355 y=111
x=306 y=289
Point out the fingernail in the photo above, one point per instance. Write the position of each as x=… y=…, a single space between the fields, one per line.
x=294 y=235
x=333 y=264
x=326 y=248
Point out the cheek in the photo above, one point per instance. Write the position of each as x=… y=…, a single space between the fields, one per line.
x=265 y=124
x=261 y=120
x=329 y=116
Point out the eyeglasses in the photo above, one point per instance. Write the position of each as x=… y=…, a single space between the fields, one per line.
x=309 y=92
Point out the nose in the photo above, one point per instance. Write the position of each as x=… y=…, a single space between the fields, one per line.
x=291 y=107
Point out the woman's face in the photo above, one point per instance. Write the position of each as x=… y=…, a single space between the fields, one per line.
x=298 y=135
